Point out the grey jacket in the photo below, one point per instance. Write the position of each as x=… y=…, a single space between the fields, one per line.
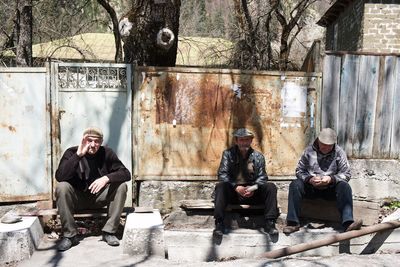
x=232 y=165
x=314 y=163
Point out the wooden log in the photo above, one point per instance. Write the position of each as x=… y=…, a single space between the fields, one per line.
x=330 y=240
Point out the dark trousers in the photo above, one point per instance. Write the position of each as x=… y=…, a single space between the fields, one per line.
x=341 y=192
x=70 y=199
x=225 y=194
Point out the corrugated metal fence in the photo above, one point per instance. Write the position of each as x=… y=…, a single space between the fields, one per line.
x=361 y=100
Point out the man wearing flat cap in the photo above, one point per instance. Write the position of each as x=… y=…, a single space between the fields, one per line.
x=90 y=176
x=322 y=172
x=243 y=180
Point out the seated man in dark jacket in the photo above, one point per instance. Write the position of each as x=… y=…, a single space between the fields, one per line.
x=322 y=172
x=90 y=175
x=243 y=180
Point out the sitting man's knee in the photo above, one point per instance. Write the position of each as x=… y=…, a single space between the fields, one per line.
x=271 y=187
x=63 y=188
x=222 y=185
x=343 y=186
x=122 y=188
x=296 y=184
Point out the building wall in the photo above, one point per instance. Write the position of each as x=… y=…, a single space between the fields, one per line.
x=345 y=34
x=381 y=27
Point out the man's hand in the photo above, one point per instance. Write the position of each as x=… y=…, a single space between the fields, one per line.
x=318 y=181
x=83 y=146
x=326 y=180
x=98 y=184
x=242 y=190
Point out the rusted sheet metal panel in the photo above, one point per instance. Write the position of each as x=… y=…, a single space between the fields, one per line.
x=93 y=95
x=183 y=120
x=24 y=130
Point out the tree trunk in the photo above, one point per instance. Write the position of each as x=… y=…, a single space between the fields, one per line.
x=147 y=19
x=117 y=37
x=24 y=30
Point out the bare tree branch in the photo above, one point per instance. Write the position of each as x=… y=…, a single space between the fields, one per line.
x=117 y=36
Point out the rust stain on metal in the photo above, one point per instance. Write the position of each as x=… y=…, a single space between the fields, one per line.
x=206 y=111
x=12 y=129
x=201 y=103
x=9 y=127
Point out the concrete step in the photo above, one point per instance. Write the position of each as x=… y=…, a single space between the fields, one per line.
x=189 y=237
x=199 y=245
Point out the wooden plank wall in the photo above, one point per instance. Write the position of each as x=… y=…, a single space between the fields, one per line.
x=330 y=92
x=395 y=137
x=361 y=100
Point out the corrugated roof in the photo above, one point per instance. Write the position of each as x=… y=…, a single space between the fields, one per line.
x=100 y=47
x=333 y=12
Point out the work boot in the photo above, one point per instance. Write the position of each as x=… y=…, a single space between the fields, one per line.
x=291 y=227
x=355 y=225
x=67 y=242
x=110 y=239
x=219 y=228
x=270 y=227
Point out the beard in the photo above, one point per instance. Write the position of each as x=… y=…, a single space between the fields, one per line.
x=243 y=147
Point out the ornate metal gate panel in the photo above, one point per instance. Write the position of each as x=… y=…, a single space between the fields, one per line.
x=93 y=95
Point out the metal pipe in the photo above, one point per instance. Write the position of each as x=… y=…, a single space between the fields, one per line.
x=330 y=240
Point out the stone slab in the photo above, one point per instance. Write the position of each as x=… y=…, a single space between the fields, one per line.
x=144 y=234
x=19 y=240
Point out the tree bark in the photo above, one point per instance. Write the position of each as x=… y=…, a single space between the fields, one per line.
x=117 y=37
x=23 y=26
x=148 y=18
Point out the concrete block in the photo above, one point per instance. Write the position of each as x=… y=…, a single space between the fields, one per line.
x=19 y=240
x=166 y=195
x=144 y=234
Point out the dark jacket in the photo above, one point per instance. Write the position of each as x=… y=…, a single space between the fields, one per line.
x=104 y=162
x=314 y=163
x=232 y=164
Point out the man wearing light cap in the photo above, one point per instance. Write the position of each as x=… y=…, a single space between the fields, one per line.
x=90 y=176
x=243 y=180
x=322 y=172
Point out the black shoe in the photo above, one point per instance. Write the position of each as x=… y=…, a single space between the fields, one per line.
x=219 y=228
x=270 y=227
x=67 y=242
x=291 y=227
x=355 y=225
x=110 y=239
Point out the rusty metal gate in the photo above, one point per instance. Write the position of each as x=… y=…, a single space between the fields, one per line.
x=173 y=124
x=25 y=152
x=92 y=95
x=184 y=118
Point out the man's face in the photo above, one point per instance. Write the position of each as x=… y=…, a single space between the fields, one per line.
x=244 y=142
x=94 y=144
x=324 y=148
